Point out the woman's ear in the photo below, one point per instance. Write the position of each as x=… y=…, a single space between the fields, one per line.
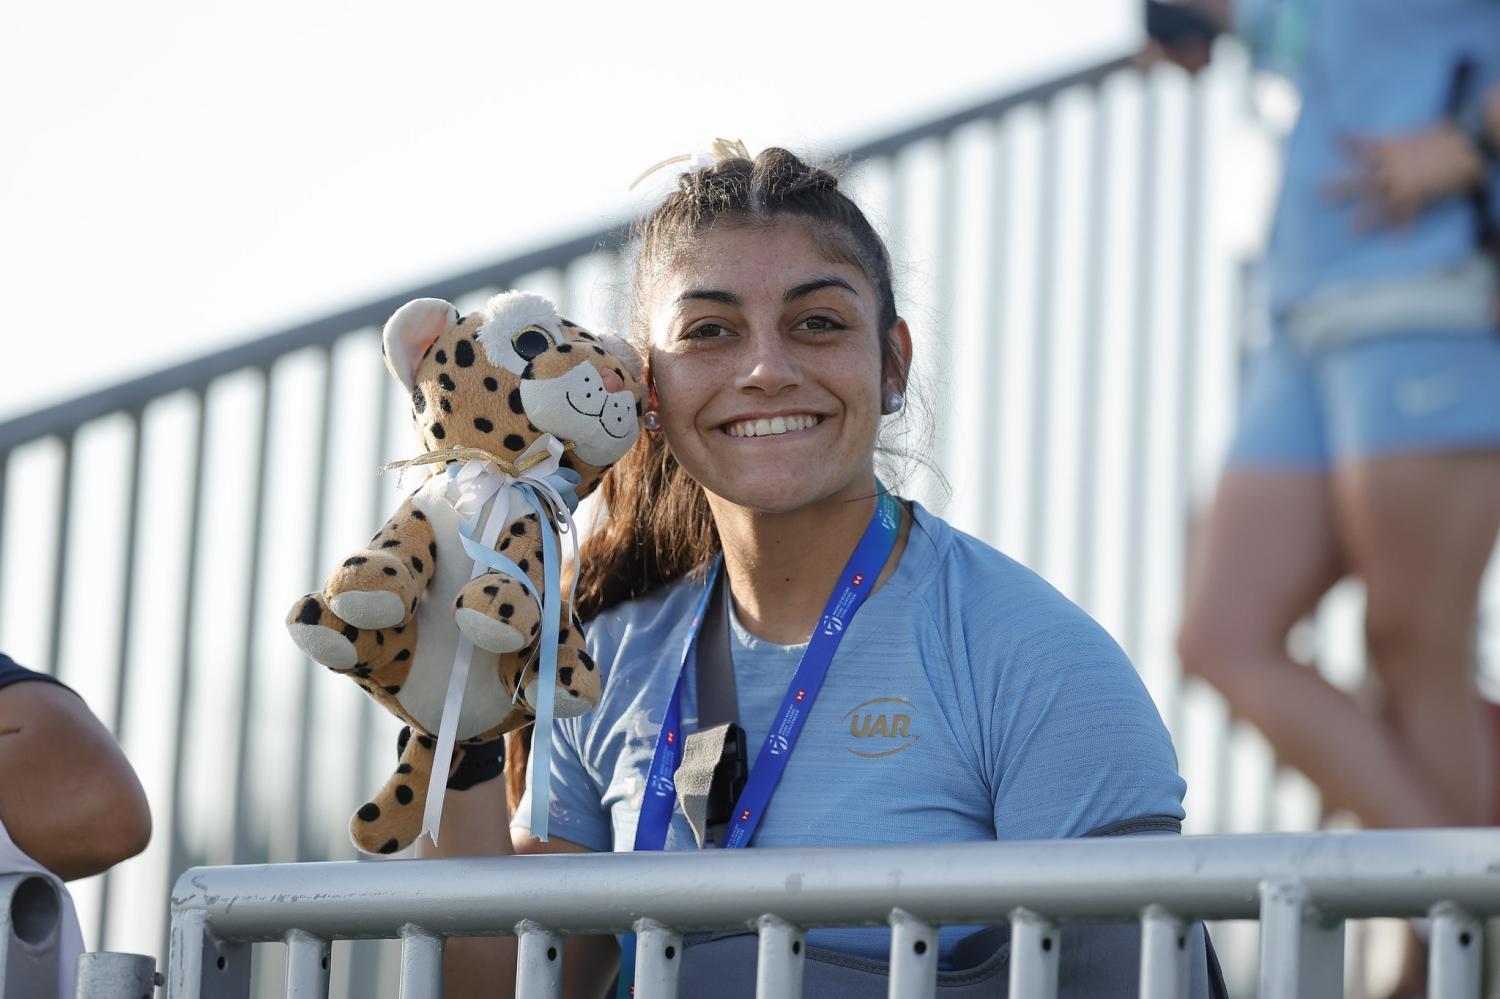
x=411 y=331
x=897 y=366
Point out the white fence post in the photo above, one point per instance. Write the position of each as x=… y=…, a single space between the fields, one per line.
x=1454 y=952
x=1034 y=946
x=658 y=955
x=421 y=963
x=538 y=962
x=914 y=954
x=779 y=957
x=30 y=917
x=1164 y=968
x=201 y=966
x=1301 y=951
x=306 y=966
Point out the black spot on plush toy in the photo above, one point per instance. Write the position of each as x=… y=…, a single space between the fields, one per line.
x=455 y=600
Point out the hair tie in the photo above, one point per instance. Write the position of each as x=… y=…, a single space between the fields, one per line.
x=719 y=151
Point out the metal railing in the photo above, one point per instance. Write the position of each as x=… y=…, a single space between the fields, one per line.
x=31 y=927
x=1301 y=887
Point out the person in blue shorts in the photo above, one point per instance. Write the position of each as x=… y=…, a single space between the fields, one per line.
x=1369 y=431
x=966 y=700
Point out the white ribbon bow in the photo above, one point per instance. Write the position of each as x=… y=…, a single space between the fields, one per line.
x=475 y=483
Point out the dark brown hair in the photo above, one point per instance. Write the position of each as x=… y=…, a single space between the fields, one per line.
x=658 y=528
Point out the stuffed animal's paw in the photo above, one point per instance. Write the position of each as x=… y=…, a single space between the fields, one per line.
x=496 y=613
x=375 y=657
x=577 y=684
x=320 y=633
x=375 y=589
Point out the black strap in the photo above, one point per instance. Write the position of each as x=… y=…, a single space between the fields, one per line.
x=717 y=701
x=1461 y=90
x=715 y=763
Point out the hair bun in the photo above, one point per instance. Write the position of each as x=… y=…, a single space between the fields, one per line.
x=781 y=174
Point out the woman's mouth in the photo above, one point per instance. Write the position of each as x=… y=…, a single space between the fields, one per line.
x=772 y=426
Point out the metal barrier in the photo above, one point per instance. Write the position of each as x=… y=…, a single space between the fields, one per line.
x=1300 y=886
x=30 y=935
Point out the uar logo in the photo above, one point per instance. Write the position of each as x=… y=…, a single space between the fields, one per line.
x=777 y=744
x=663 y=786
x=881 y=726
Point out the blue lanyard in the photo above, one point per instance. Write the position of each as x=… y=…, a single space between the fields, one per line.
x=854 y=586
x=660 y=796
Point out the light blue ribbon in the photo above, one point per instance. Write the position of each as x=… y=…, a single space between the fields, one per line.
x=564 y=482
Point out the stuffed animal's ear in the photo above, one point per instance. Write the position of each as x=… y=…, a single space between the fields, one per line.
x=624 y=352
x=411 y=331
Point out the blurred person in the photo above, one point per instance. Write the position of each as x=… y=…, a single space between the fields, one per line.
x=70 y=804
x=1369 y=433
x=984 y=705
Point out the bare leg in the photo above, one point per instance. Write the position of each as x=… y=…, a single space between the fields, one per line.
x=1420 y=529
x=1269 y=552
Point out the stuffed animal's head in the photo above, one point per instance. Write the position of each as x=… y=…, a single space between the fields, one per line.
x=512 y=371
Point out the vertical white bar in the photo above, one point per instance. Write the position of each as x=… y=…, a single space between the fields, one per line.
x=658 y=955
x=306 y=966
x=913 y=957
x=185 y=955
x=1034 y=944
x=1491 y=957
x=1164 y=970
x=538 y=962
x=211 y=969
x=421 y=963
x=1453 y=956
x=778 y=965
x=1301 y=952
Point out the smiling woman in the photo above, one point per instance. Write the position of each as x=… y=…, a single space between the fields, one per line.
x=896 y=681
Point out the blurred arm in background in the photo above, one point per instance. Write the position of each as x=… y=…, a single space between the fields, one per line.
x=1395 y=177
x=68 y=796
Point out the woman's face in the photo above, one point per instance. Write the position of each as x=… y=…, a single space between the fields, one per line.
x=767 y=366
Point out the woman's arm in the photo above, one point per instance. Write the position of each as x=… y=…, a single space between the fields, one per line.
x=476 y=824
x=69 y=798
x=1395 y=178
x=590 y=963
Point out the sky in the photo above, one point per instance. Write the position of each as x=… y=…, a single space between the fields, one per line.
x=176 y=177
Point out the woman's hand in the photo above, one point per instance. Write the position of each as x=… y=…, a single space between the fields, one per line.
x=1394 y=179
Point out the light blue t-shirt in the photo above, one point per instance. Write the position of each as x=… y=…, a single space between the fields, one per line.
x=1374 y=69
x=968 y=700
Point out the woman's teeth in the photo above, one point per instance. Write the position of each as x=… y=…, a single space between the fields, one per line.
x=772 y=427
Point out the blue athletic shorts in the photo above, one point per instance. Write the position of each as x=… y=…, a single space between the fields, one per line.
x=1312 y=409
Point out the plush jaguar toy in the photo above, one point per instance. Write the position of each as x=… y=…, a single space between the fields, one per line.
x=512 y=386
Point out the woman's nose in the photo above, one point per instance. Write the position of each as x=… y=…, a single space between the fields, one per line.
x=612 y=380
x=771 y=366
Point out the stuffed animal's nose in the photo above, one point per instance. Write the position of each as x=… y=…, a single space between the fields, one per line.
x=612 y=381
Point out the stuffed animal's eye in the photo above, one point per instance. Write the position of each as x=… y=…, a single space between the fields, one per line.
x=530 y=342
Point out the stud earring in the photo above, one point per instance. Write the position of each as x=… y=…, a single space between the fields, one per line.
x=652 y=420
x=893 y=403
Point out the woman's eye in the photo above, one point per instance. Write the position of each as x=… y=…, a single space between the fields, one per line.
x=531 y=342
x=706 y=331
x=819 y=324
